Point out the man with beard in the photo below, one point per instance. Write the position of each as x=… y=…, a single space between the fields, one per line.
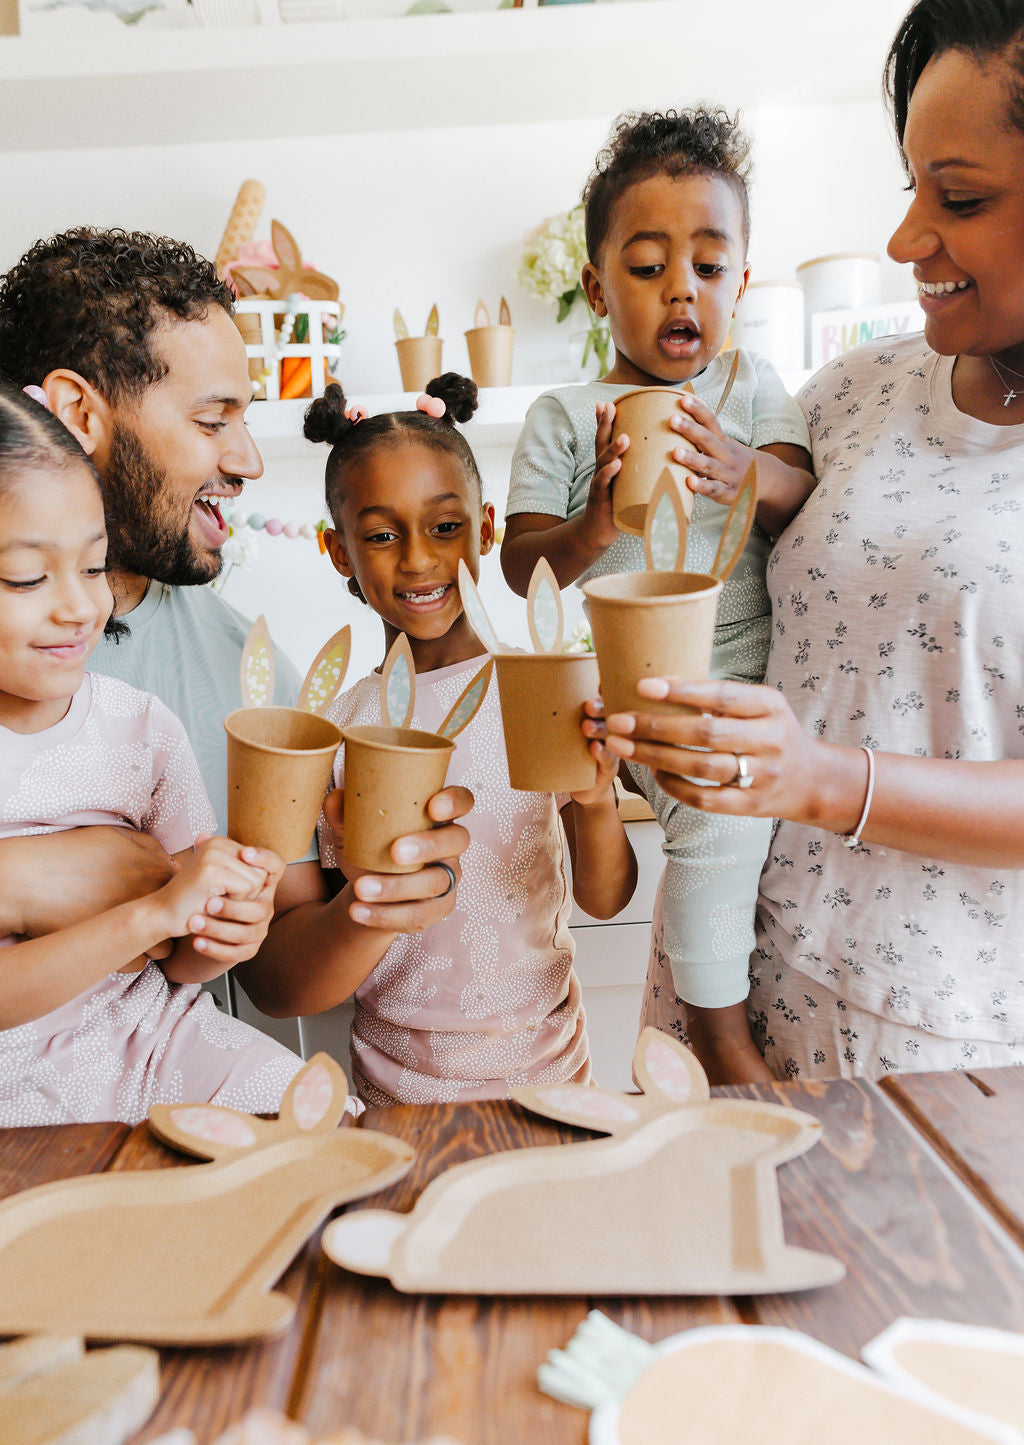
x=129 y=339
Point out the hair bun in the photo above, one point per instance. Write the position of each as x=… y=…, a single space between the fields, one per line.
x=325 y=419
x=458 y=393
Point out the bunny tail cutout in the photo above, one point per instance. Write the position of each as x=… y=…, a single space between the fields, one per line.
x=598 y=1366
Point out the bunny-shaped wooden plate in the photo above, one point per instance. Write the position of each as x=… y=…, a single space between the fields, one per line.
x=186 y=1256
x=682 y=1199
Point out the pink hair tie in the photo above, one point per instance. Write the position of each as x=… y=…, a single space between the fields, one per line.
x=37 y=394
x=432 y=405
x=356 y=413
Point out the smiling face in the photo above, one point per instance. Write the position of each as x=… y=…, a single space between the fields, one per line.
x=54 y=597
x=175 y=450
x=964 y=229
x=669 y=276
x=408 y=515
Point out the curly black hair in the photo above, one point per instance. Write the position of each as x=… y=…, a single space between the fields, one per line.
x=90 y=299
x=325 y=421
x=699 y=141
x=982 y=28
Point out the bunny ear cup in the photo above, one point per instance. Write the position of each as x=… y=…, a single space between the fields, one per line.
x=326 y=673
x=544 y=609
x=667 y=525
x=257 y=666
x=398 y=684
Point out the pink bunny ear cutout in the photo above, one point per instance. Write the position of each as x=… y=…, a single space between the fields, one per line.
x=316 y=1097
x=257 y=666
x=207 y=1131
x=432 y=405
x=665 y=1069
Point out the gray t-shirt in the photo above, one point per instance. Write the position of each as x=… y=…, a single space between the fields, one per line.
x=186 y=647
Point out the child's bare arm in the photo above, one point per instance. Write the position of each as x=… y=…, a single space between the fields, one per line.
x=42 y=973
x=50 y=881
x=720 y=1037
x=719 y=464
x=575 y=543
x=320 y=949
x=603 y=861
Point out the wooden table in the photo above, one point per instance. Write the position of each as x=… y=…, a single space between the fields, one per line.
x=917 y=1185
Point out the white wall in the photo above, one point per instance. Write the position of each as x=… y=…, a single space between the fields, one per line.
x=411 y=218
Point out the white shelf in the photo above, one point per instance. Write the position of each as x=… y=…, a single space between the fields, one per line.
x=156 y=86
x=277 y=425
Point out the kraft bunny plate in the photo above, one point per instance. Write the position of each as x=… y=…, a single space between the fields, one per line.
x=682 y=1199
x=186 y=1256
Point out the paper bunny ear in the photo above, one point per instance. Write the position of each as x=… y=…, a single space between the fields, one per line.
x=504 y=314
x=401 y=330
x=476 y=612
x=584 y=1105
x=737 y=525
x=482 y=316
x=398 y=684
x=544 y=609
x=433 y=322
x=468 y=705
x=207 y=1131
x=257 y=666
x=286 y=248
x=667 y=1071
x=727 y=388
x=315 y=1099
x=326 y=673
x=667 y=525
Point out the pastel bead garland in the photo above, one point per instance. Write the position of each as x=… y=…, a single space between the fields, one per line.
x=274 y=527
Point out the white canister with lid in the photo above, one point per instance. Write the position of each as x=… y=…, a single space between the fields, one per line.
x=770 y=320
x=840 y=282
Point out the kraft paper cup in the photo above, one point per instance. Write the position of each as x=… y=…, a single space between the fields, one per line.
x=644 y=416
x=542 y=696
x=419 y=360
x=280 y=761
x=390 y=776
x=650 y=624
x=490 y=354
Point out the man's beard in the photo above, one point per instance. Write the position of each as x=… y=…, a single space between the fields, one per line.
x=141 y=536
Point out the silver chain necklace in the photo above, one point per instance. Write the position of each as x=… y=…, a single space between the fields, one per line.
x=1009 y=395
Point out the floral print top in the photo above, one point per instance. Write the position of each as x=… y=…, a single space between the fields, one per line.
x=898 y=624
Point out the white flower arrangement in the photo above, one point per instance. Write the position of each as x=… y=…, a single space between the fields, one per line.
x=553 y=257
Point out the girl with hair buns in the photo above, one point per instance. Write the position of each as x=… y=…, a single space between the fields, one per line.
x=485 y=999
x=889 y=741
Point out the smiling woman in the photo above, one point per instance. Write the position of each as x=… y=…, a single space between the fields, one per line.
x=888 y=739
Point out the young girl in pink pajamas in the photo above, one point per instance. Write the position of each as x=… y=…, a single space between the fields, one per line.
x=91 y=1027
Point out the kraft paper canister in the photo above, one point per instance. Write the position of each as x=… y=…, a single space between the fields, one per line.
x=280 y=761
x=490 y=354
x=419 y=360
x=542 y=696
x=650 y=624
x=390 y=776
x=644 y=416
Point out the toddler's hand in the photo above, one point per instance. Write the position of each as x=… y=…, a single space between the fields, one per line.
x=607 y=763
x=718 y=463
x=221 y=880
x=598 y=519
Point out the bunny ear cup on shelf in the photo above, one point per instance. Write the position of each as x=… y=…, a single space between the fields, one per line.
x=401 y=330
x=433 y=322
x=398 y=684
